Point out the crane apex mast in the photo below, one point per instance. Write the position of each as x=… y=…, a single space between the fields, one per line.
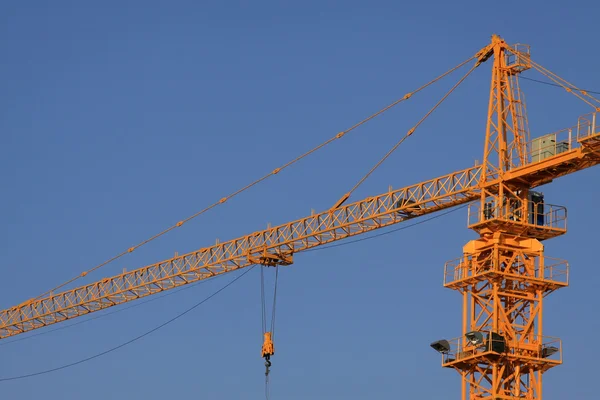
x=504 y=275
x=507 y=131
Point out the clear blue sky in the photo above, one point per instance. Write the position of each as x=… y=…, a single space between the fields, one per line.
x=118 y=119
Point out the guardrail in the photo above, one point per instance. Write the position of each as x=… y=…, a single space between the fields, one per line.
x=548 y=269
x=588 y=125
x=554 y=143
x=541 y=348
x=540 y=214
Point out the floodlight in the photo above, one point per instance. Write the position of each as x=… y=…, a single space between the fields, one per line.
x=476 y=338
x=548 y=351
x=441 y=346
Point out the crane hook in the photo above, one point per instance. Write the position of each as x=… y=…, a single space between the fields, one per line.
x=268 y=349
x=267 y=365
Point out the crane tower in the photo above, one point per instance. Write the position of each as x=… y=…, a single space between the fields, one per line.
x=503 y=275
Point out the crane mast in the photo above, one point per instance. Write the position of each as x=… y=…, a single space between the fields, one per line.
x=502 y=276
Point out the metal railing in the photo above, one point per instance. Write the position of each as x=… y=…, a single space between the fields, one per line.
x=538 y=347
x=588 y=125
x=558 y=142
x=551 y=145
x=548 y=269
x=520 y=58
x=543 y=215
x=554 y=270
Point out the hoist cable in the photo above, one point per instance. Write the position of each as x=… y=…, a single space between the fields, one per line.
x=274 y=172
x=267 y=388
x=264 y=319
x=262 y=299
x=274 y=304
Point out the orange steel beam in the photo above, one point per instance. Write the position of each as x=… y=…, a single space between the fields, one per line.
x=276 y=245
x=503 y=276
x=270 y=246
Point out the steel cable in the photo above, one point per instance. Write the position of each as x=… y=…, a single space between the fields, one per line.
x=274 y=172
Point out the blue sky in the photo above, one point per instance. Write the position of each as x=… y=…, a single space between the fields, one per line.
x=120 y=118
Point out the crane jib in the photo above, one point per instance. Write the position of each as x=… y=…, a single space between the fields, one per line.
x=282 y=241
x=326 y=227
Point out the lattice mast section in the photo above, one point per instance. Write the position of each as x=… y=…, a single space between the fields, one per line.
x=503 y=276
x=507 y=129
x=503 y=280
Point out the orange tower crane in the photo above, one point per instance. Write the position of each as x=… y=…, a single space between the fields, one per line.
x=502 y=276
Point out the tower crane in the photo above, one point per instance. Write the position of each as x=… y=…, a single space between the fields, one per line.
x=502 y=276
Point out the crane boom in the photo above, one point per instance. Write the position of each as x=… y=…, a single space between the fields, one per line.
x=276 y=245
x=271 y=246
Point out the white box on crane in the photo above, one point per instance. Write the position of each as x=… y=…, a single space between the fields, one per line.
x=546 y=146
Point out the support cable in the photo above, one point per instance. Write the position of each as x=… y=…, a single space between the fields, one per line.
x=569 y=87
x=132 y=340
x=274 y=172
x=555 y=85
x=410 y=132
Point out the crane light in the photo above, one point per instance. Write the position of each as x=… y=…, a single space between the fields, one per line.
x=476 y=338
x=548 y=351
x=441 y=346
